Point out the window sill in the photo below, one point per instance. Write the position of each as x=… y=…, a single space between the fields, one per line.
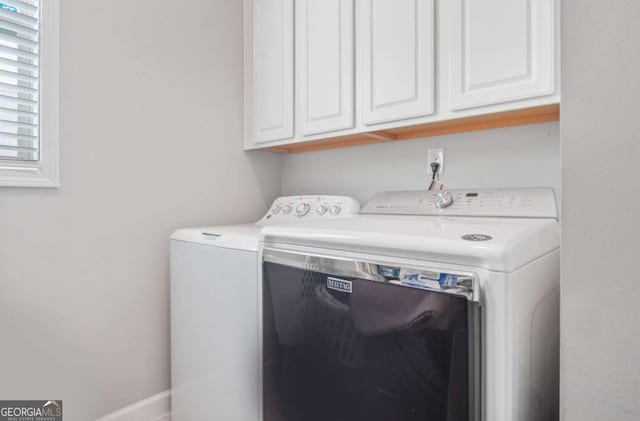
x=28 y=175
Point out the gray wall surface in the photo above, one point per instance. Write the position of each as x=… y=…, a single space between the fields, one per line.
x=524 y=156
x=600 y=131
x=151 y=135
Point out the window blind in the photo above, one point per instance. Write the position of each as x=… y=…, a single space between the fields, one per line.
x=19 y=76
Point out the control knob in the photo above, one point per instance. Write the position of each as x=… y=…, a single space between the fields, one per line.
x=443 y=200
x=302 y=209
x=321 y=210
x=287 y=209
x=335 y=210
x=276 y=209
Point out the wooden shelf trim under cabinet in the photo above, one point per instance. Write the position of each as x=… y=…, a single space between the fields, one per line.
x=483 y=122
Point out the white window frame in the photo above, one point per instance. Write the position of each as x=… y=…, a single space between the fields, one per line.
x=46 y=171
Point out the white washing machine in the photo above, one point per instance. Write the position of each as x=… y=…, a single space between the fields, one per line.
x=214 y=300
x=439 y=306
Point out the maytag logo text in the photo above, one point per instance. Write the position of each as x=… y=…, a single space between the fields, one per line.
x=339 y=285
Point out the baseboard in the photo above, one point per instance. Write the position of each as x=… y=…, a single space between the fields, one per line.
x=154 y=408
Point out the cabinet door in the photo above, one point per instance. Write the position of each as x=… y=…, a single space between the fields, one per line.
x=502 y=50
x=273 y=70
x=324 y=65
x=396 y=40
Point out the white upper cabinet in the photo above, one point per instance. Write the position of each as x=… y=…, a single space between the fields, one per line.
x=359 y=71
x=324 y=65
x=501 y=51
x=272 y=70
x=396 y=42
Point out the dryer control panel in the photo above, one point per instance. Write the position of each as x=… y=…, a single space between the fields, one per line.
x=522 y=203
x=291 y=208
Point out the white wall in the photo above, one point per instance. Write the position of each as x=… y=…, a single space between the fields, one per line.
x=521 y=156
x=600 y=130
x=151 y=138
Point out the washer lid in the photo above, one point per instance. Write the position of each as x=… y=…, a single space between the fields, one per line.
x=239 y=237
x=498 y=244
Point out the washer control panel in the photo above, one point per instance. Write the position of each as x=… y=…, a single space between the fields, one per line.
x=290 y=208
x=523 y=203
